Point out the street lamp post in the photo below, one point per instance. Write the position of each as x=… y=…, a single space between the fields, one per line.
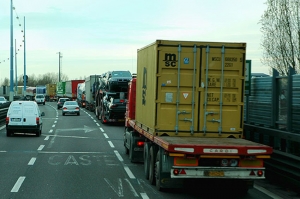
x=59 y=62
x=11 y=93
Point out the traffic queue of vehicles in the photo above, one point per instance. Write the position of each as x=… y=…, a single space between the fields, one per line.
x=182 y=112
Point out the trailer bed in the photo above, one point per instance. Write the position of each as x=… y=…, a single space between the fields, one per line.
x=225 y=146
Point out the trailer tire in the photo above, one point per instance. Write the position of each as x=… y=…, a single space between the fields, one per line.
x=152 y=158
x=131 y=147
x=146 y=159
x=158 y=173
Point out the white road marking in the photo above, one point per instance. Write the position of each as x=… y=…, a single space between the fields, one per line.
x=3 y=151
x=71 y=152
x=53 y=125
x=32 y=160
x=265 y=191
x=111 y=144
x=51 y=130
x=47 y=137
x=101 y=129
x=119 y=156
x=129 y=173
x=132 y=188
x=97 y=124
x=94 y=120
x=18 y=184
x=55 y=121
x=41 y=147
x=2 y=127
x=105 y=135
x=144 y=196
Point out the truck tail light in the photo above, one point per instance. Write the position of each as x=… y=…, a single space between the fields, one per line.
x=37 y=120
x=260 y=173
x=140 y=143
x=176 y=172
x=7 y=120
x=77 y=108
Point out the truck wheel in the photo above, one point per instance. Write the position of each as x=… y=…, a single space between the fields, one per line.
x=37 y=133
x=146 y=159
x=152 y=158
x=131 y=155
x=158 y=172
x=96 y=112
x=126 y=149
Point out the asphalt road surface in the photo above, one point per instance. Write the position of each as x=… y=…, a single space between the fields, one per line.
x=78 y=157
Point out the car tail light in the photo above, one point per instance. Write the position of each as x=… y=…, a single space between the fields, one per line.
x=37 y=120
x=77 y=108
x=65 y=108
x=7 y=120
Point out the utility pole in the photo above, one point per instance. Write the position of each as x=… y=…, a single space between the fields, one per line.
x=11 y=93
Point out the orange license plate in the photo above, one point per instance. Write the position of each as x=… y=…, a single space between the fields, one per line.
x=214 y=173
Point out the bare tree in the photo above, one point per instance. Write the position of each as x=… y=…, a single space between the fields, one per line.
x=33 y=80
x=281 y=35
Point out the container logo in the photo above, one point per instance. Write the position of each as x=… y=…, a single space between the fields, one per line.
x=170 y=60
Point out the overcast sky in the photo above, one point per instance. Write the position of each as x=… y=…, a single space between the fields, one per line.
x=95 y=36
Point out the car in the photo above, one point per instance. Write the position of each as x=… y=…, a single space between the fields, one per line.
x=61 y=102
x=24 y=117
x=115 y=81
x=70 y=107
x=3 y=100
x=40 y=99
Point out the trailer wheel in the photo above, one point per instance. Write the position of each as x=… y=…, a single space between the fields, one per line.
x=131 y=147
x=146 y=159
x=126 y=149
x=152 y=158
x=158 y=172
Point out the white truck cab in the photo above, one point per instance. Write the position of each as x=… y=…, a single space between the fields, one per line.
x=24 y=117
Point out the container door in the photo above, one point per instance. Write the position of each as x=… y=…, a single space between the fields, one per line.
x=177 y=96
x=221 y=91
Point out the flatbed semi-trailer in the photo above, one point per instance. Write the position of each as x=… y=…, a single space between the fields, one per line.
x=184 y=115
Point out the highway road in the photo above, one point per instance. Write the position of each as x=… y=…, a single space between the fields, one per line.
x=78 y=157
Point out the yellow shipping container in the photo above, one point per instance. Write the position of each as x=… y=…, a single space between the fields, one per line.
x=187 y=88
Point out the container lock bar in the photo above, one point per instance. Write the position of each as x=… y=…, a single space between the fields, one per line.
x=205 y=94
x=178 y=88
x=193 y=90
x=221 y=91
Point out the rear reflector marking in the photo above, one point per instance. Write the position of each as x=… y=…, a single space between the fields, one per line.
x=251 y=151
x=191 y=150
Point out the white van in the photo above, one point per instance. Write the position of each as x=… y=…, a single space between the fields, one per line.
x=24 y=117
